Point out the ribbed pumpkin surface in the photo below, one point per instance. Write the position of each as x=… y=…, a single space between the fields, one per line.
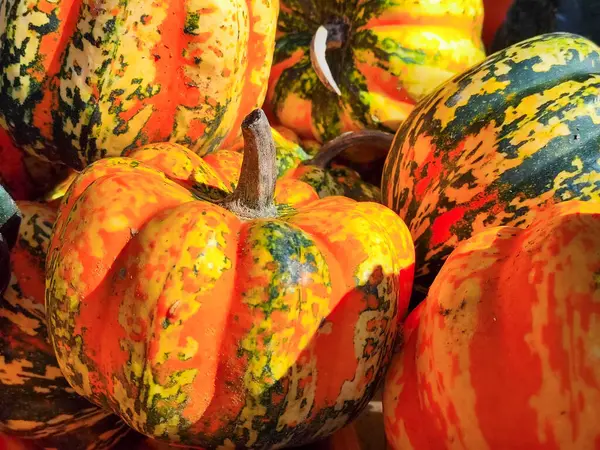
x=493 y=145
x=80 y=80
x=393 y=53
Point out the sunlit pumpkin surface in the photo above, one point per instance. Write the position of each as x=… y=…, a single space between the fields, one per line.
x=198 y=327
x=504 y=351
x=393 y=53
x=36 y=402
x=80 y=80
x=492 y=146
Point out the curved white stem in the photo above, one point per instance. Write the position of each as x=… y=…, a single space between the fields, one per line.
x=318 y=48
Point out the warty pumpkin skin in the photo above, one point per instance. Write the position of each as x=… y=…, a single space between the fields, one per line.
x=495 y=144
x=81 y=80
x=203 y=328
x=382 y=58
x=504 y=353
x=36 y=402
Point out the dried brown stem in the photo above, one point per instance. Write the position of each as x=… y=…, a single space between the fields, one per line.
x=254 y=194
x=375 y=139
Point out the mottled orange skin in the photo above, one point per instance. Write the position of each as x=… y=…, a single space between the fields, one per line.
x=86 y=79
x=345 y=439
x=200 y=328
x=36 y=402
x=288 y=134
x=297 y=183
x=393 y=54
x=505 y=352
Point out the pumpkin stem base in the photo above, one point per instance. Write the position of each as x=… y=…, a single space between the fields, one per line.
x=254 y=195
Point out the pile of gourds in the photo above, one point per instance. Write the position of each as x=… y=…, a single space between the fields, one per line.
x=230 y=224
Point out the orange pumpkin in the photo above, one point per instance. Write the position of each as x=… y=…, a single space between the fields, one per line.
x=348 y=65
x=505 y=353
x=210 y=320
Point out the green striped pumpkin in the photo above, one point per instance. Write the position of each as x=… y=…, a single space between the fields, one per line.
x=343 y=66
x=493 y=146
x=81 y=80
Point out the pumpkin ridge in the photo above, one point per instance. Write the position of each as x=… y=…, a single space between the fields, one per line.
x=313 y=109
x=491 y=146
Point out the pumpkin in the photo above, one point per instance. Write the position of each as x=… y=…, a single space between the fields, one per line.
x=344 y=439
x=36 y=402
x=213 y=323
x=301 y=177
x=83 y=80
x=504 y=354
x=288 y=134
x=344 y=66
x=495 y=144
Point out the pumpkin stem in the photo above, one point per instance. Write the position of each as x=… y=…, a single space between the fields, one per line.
x=378 y=140
x=329 y=36
x=254 y=194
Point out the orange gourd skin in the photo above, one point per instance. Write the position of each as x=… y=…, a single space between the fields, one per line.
x=203 y=329
x=392 y=55
x=36 y=402
x=492 y=146
x=345 y=439
x=82 y=80
x=503 y=355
